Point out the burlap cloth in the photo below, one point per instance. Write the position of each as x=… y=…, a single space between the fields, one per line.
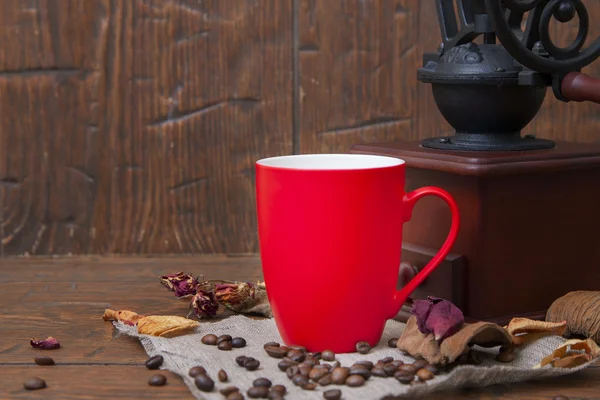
x=182 y=353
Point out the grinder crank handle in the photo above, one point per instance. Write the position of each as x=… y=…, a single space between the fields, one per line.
x=577 y=86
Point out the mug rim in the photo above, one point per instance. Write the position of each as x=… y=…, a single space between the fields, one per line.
x=329 y=162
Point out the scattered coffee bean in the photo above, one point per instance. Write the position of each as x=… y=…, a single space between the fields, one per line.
x=408 y=368
x=240 y=360
x=368 y=364
x=285 y=348
x=225 y=346
x=224 y=338
x=238 y=342
x=154 y=362
x=275 y=352
x=393 y=342
x=291 y=371
x=222 y=375
x=389 y=369
x=317 y=355
x=336 y=364
x=432 y=368
x=309 y=386
x=328 y=367
x=258 y=392
x=34 y=384
x=379 y=372
x=299 y=348
x=43 y=360
x=339 y=375
x=325 y=380
x=397 y=363
x=228 y=390
x=360 y=370
x=299 y=380
x=419 y=364
x=274 y=396
x=204 y=383
x=424 y=374
x=404 y=377
x=328 y=355
x=262 y=382
x=271 y=344
x=157 y=380
x=279 y=389
x=209 y=339
x=505 y=356
x=195 y=371
x=251 y=364
x=355 y=380
x=235 y=396
x=363 y=347
x=304 y=369
x=333 y=394
x=386 y=360
x=285 y=364
x=296 y=355
x=317 y=373
x=560 y=397
x=311 y=361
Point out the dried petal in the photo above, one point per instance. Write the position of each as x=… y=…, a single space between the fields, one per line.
x=127 y=317
x=166 y=325
x=204 y=304
x=180 y=283
x=233 y=293
x=437 y=316
x=49 y=344
x=258 y=303
x=524 y=330
x=571 y=354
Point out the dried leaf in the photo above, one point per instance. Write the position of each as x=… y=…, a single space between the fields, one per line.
x=571 y=354
x=437 y=316
x=524 y=330
x=166 y=325
x=418 y=344
x=49 y=343
x=127 y=317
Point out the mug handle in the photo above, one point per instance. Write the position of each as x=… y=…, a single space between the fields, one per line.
x=409 y=202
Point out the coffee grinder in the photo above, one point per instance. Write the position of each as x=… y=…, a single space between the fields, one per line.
x=530 y=207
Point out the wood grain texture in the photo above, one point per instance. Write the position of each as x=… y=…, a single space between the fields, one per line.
x=133 y=126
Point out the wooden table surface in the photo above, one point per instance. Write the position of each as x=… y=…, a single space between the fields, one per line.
x=66 y=298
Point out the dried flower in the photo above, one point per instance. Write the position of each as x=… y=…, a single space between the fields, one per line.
x=437 y=316
x=180 y=283
x=204 y=304
x=49 y=344
x=234 y=293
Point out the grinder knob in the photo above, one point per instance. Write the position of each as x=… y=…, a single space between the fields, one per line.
x=577 y=86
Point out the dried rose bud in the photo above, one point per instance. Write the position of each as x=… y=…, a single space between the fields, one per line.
x=180 y=283
x=234 y=293
x=49 y=344
x=204 y=304
x=437 y=316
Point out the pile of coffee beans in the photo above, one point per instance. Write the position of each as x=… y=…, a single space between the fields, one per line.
x=223 y=342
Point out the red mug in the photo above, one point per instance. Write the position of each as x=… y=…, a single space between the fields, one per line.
x=330 y=232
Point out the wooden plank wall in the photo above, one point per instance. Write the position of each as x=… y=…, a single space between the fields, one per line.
x=132 y=126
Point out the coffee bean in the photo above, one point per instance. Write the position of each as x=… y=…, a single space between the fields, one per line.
x=404 y=377
x=419 y=364
x=275 y=352
x=258 y=392
x=240 y=360
x=224 y=338
x=328 y=355
x=379 y=372
x=279 y=389
x=309 y=386
x=432 y=368
x=390 y=369
x=317 y=355
x=397 y=363
x=43 y=360
x=154 y=362
x=296 y=355
x=238 y=342
x=311 y=361
x=225 y=345
x=209 y=339
x=285 y=348
x=204 y=383
x=235 y=396
x=271 y=344
x=339 y=375
x=304 y=369
x=317 y=373
x=274 y=396
x=228 y=390
x=328 y=367
x=157 y=380
x=34 y=384
x=195 y=371
x=424 y=374
x=222 y=375
x=251 y=364
x=360 y=370
x=333 y=394
x=291 y=371
x=325 y=380
x=299 y=348
x=408 y=368
x=299 y=380
x=505 y=356
x=393 y=342
x=560 y=397
x=262 y=382
x=355 y=380
x=386 y=360
x=336 y=364
x=363 y=347
x=368 y=364
x=284 y=365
